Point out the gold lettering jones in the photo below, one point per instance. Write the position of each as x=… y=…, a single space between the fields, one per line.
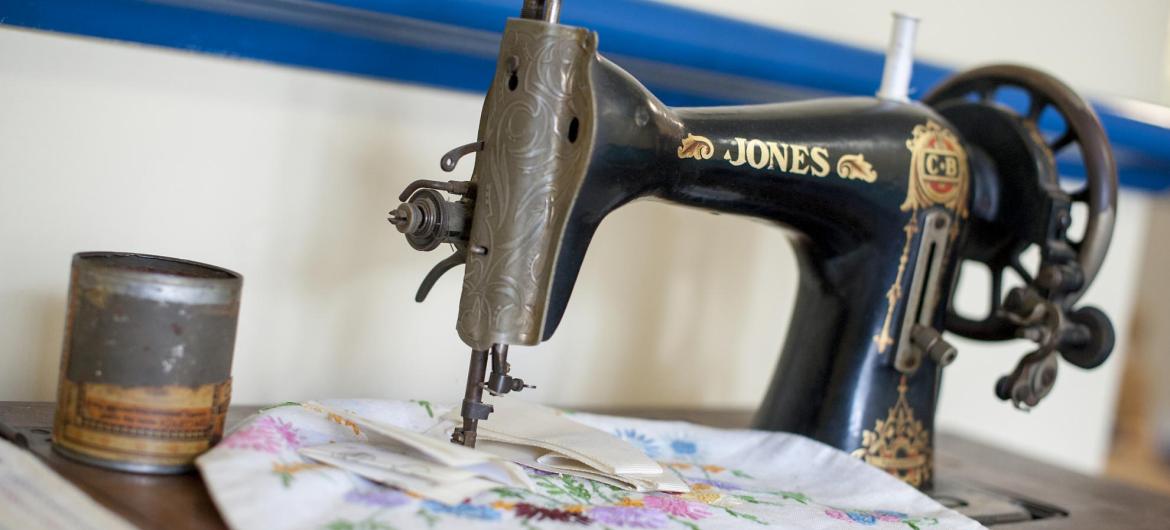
x=795 y=159
x=779 y=156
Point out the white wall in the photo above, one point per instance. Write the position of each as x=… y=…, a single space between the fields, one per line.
x=1099 y=47
x=286 y=175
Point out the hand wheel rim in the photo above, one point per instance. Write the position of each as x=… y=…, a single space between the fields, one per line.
x=1082 y=127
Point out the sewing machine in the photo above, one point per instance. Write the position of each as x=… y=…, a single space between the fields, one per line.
x=885 y=200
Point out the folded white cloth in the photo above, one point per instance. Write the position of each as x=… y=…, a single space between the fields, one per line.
x=543 y=438
x=444 y=484
x=738 y=479
x=33 y=497
x=518 y=422
x=422 y=463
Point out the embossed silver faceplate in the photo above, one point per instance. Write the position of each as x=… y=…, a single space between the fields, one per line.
x=527 y=177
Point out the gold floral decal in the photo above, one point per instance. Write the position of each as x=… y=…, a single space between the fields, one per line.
x=855 y=167
x=938 y=176
x=697 y=147
x=899 y=444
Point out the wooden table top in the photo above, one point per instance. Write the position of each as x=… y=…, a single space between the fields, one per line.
x=182 y=503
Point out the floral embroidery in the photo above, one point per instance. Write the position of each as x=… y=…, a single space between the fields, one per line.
x=720 y=484
x=357 y=431
x=629 y=517
x=871 y=518
x=867 y=519
x=645 y=443
x=539 y=472
x=531 y=511
x=683 y=447
x=677 y=507
x=856 y=516
x=286 y=471
x=381 y=497
x=278 y=405
x=892 y=517
x=342 y=524
x=268 y=434
x=426 y=405
x=794 y=495
x=465 y=510
x=705 y=497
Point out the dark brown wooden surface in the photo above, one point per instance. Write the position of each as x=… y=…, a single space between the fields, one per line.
x=182 y=503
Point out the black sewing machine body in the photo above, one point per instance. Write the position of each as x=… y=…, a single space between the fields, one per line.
x=876 y=193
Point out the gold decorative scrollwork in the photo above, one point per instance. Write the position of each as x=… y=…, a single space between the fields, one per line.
x=899 y=444
x=855 y=167
x=884 y=339
x=697 y=147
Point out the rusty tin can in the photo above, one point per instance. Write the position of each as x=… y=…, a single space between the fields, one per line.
x=146 y=364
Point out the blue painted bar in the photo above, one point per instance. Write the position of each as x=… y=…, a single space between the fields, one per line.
x=684 y=56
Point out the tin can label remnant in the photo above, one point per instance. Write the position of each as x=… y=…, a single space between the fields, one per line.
x=162 y=426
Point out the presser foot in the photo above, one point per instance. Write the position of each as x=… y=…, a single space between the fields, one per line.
x=499 y=382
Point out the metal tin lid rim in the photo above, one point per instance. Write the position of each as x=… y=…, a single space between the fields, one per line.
x=163 y=286
x=87 y=258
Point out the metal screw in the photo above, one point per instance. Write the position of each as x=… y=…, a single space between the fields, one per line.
x=641 y=116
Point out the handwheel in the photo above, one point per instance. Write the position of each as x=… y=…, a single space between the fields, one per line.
x=1017 y=199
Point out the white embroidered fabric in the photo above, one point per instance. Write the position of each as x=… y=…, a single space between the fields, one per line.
x=260 y=480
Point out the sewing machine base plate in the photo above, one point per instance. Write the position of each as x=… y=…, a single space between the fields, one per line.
x=991 y=507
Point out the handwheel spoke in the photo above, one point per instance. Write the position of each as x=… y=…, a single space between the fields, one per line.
x=986 y=93
x=1019 y=268
x=1063 y=141
x=1036 y=107
x=1081 y=195
x=996 y=289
